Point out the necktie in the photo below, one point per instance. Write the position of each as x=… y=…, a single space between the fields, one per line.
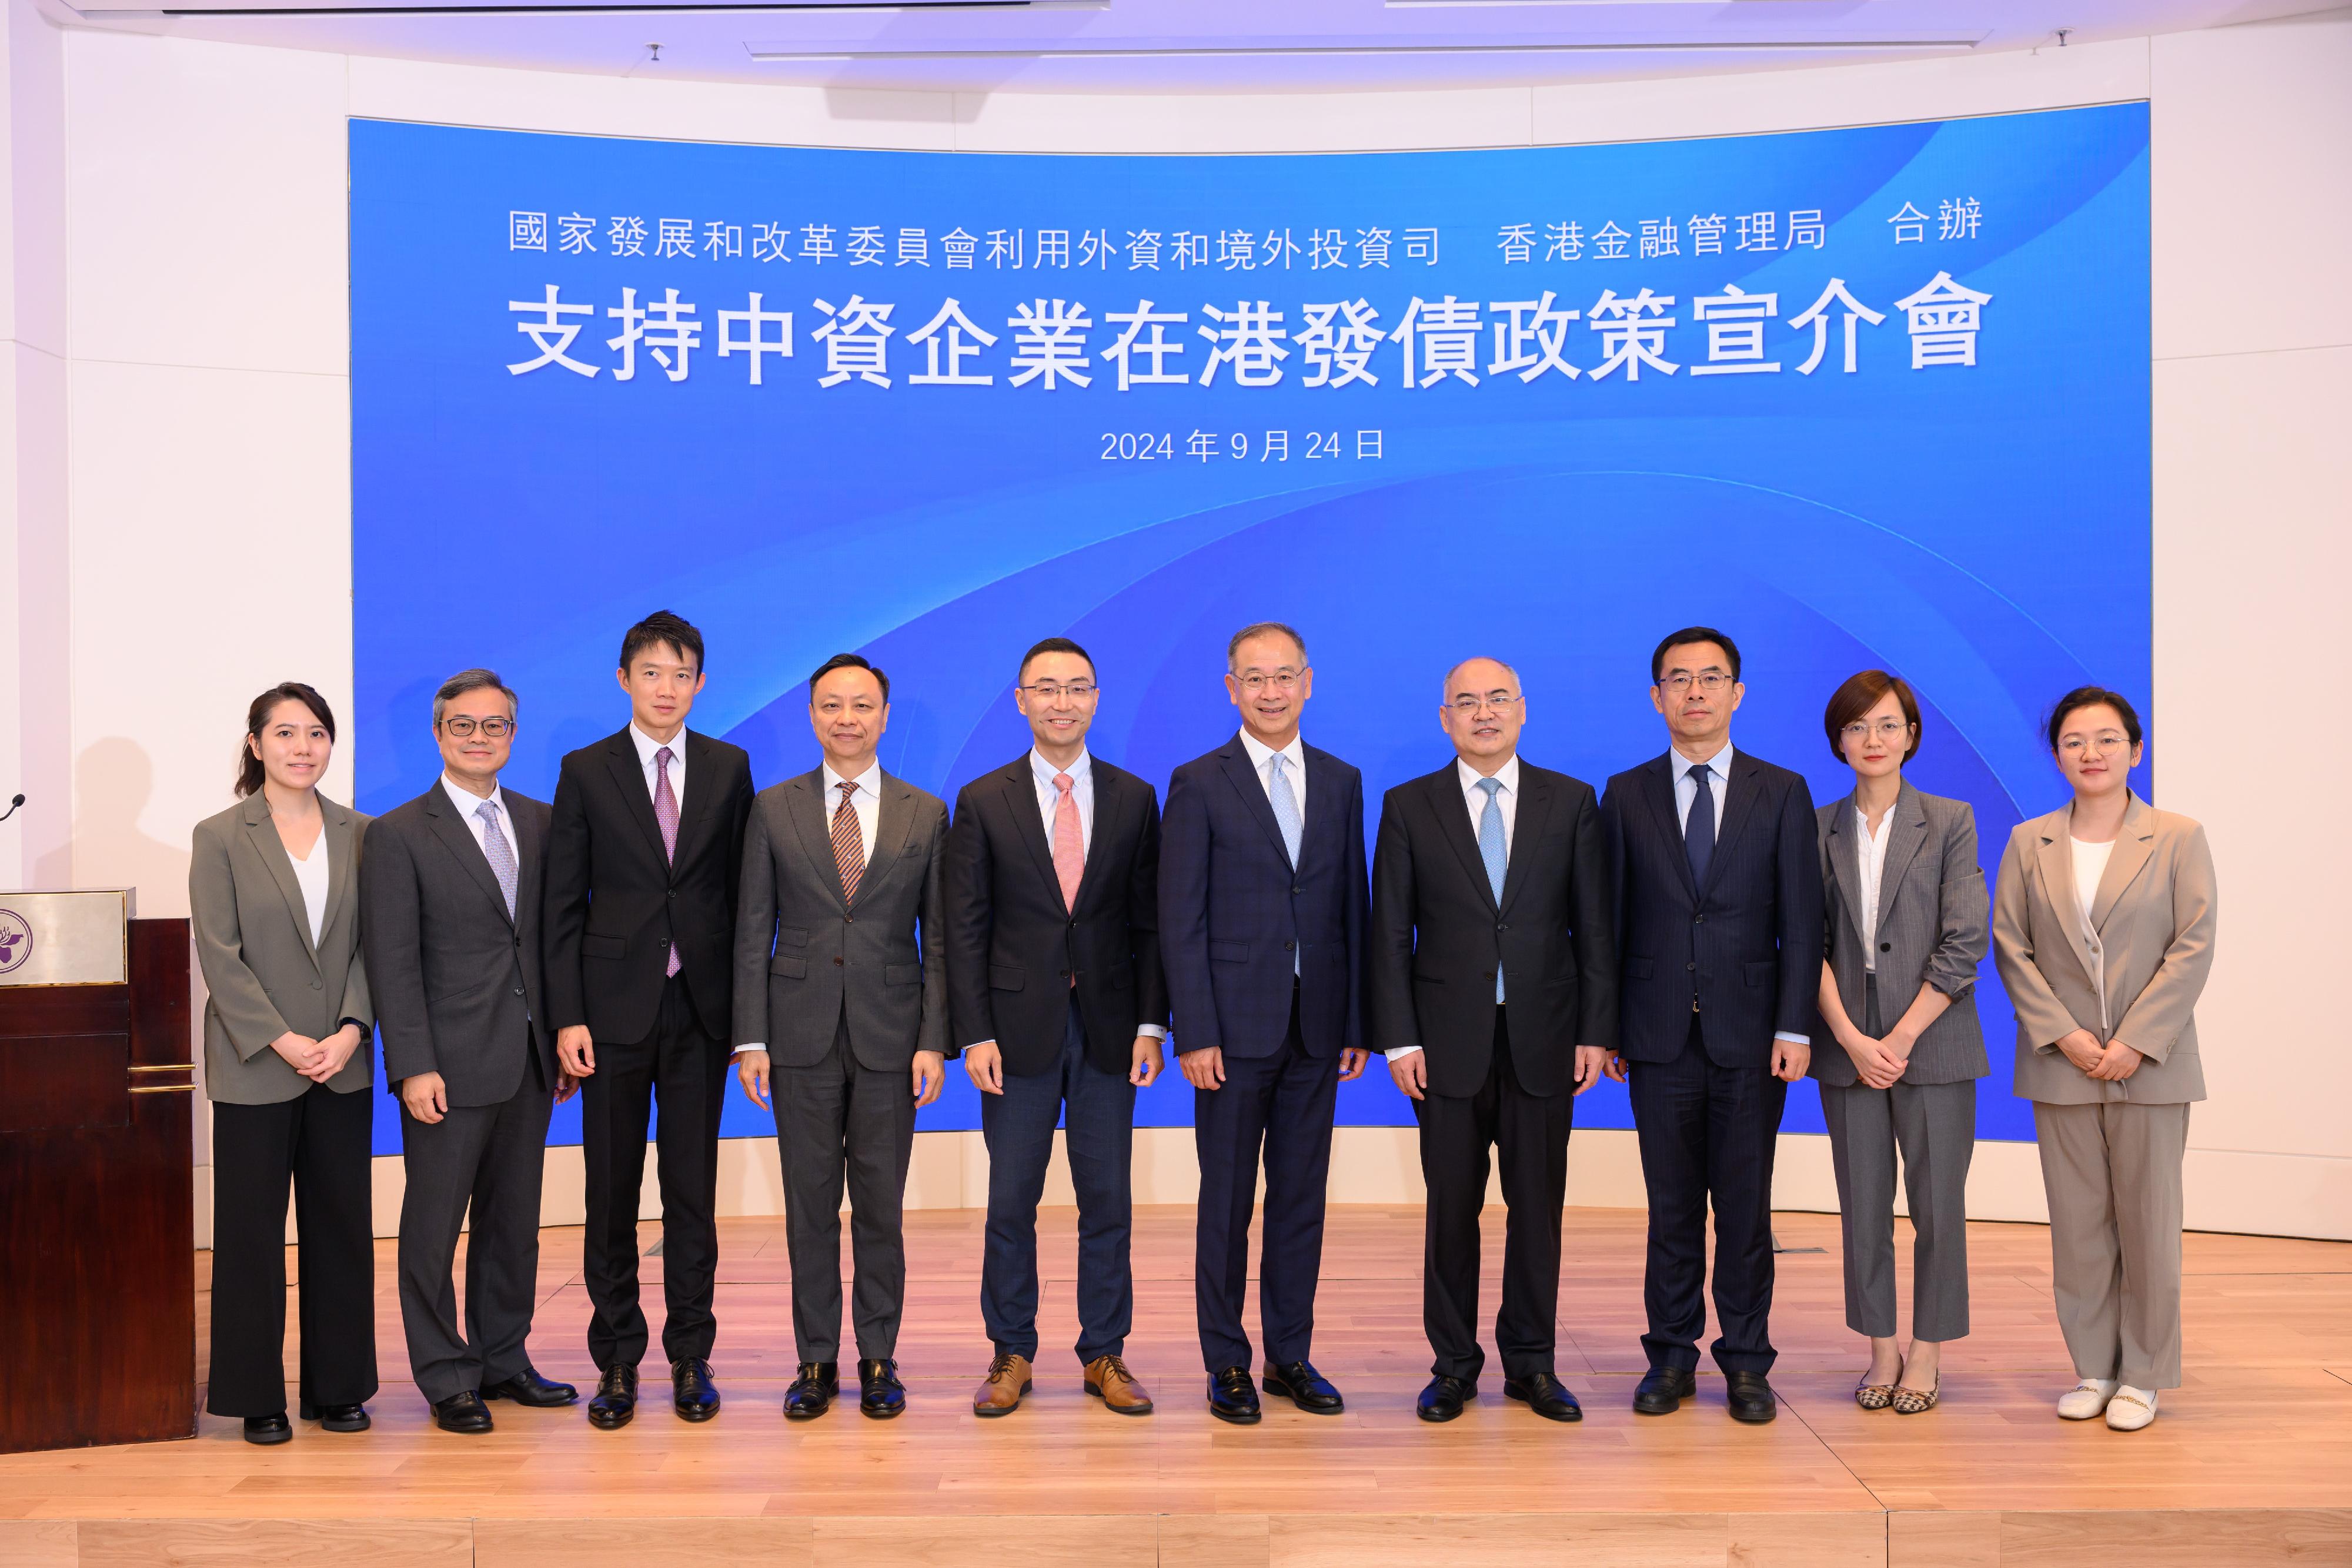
x=666 y=814
x=848 y=843
x=1698 y=828
x=1491 y=851
x=1287 y=818
x=499 y=853
x=1069 y=842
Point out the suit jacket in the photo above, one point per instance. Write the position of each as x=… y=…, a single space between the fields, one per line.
x=1746 y=945
x=1013 y=946
x=615 y=902
x=2135 y=975
x=458 y=983
x=263 y=973
x=1438 y=933
x=1235 y=913
x=804 y=955
x=1932 y=931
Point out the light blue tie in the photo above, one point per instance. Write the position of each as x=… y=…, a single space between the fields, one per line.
x=499 y=852
x=1287 y=818
x=1491 y=851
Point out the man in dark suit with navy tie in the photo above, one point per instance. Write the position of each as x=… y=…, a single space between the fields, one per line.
x=1719 y=928
x=1264 y=906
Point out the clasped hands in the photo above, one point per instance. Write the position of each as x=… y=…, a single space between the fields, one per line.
x=1879 y=1063
x=2111 y=1064
x=317 y=1059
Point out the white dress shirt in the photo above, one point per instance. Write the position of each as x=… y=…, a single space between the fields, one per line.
x=647 y=746
x=1049 y=801
x=866 y=800
x=1871 y=860
x=1294 y=764
x=1718 y=780
x=311 y=876
x=1507 y=800
x=467 y=803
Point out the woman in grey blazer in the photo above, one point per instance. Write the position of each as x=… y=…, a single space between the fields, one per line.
x=273 y=893
x=2103 y=924
x=1904 y=931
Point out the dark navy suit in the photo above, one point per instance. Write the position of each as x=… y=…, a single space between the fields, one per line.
x=1265 y=960
x=1712 y=971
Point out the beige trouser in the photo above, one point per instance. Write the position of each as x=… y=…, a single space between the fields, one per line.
x=2113 y=1175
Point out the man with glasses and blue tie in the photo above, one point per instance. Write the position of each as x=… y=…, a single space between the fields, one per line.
x=1493 y=995
x=1262 y=911
x=1719 y=891
x=449 y=898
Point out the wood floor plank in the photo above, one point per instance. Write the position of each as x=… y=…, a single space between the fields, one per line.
x=254 y=1543
x=2184 y=1538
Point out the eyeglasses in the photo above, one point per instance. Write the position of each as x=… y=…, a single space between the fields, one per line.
x=2105 y=741
x=1711 y=682
x=1886 y=729
x=1468 y=703
x=1255 y=683
x=492 y=728
x=1054 y=691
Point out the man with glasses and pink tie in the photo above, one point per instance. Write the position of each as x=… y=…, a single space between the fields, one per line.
x=1054 y=987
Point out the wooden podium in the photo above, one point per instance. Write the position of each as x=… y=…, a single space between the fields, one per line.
x=97 y=1232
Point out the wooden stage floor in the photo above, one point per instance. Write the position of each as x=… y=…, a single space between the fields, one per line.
x=2249 y=1464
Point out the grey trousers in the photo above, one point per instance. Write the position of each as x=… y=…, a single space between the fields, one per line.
x=841 y=1119
x=1935 y=1126
x=2112 y=1172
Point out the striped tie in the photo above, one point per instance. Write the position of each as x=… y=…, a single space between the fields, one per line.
x=666 y=816
x=499 y=852
x=848 y=843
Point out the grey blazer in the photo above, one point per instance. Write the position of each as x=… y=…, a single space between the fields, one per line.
x=802 y=952
x=459 y=979
x=1931 y=932
x=2134 y=975
x=253 y=943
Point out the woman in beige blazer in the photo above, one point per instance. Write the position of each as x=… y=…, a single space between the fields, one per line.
x=2103 y=927
x=273 y=890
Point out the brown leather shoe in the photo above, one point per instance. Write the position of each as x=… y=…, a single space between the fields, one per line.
x=1000 y=1393
x=1108 y=1380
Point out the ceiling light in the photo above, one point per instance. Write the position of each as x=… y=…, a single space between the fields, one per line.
x=779 y=52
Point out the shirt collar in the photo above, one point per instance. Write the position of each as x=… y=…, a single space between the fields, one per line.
x=868 y=782
x=1294 y=754
x=1508 y=774
x=1719 y=764
x=646 y=745
x=466 y=800
x=1079 y=772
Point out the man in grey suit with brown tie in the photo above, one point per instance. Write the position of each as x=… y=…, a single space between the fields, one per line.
x=837 y=1008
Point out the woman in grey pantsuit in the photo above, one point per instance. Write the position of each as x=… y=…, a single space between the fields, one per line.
x=1905 y=930
x=2103 y=924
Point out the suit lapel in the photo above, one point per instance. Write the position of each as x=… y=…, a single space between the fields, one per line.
x=272 y=850
x=1738 y=804
x=1443 y=797
x=2056 y=863
x=1845 y=860
x=693 y=803
x=1021 y=800
x=1246 y=782
x=338 y=839
x=1661 y=793
x=629 y=778
x=1110 y=795
x=2135 y=844
x=893 y=820
x=812 y=821
x=1905 y=834
x=458 y=838
x=1527 y=831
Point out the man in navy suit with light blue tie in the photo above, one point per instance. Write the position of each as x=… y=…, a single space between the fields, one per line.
x=1719 y=932
x=1264 y=905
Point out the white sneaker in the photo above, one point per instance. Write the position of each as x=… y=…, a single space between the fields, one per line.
x=2088 y=1398
x=2131 y=1408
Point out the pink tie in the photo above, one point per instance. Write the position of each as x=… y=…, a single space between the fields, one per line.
x=1069 y=844
x=666 y=814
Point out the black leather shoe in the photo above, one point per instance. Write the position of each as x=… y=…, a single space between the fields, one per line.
x=616 y=1405
x=1749 y=1396
x=1305 y=1388
x=1232 y=1397
x=527 y=1387
x=1444 y=1398
x=880 y=1392
x=463 y=1413
x=337 y=1417
x=1662 y=1391
x=269 y=1429
x=812 y=1390
x=1542 y=1393
x=693 y=1394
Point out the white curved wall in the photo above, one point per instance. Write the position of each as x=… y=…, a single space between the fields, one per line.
x=174 y=417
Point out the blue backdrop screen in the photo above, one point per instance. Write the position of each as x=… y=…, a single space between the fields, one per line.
x=1866 y=397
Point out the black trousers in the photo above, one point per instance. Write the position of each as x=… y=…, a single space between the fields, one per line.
x=686 y=1069
x=1529 y=1135
x=1708 y=1134
x=319 y=1141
